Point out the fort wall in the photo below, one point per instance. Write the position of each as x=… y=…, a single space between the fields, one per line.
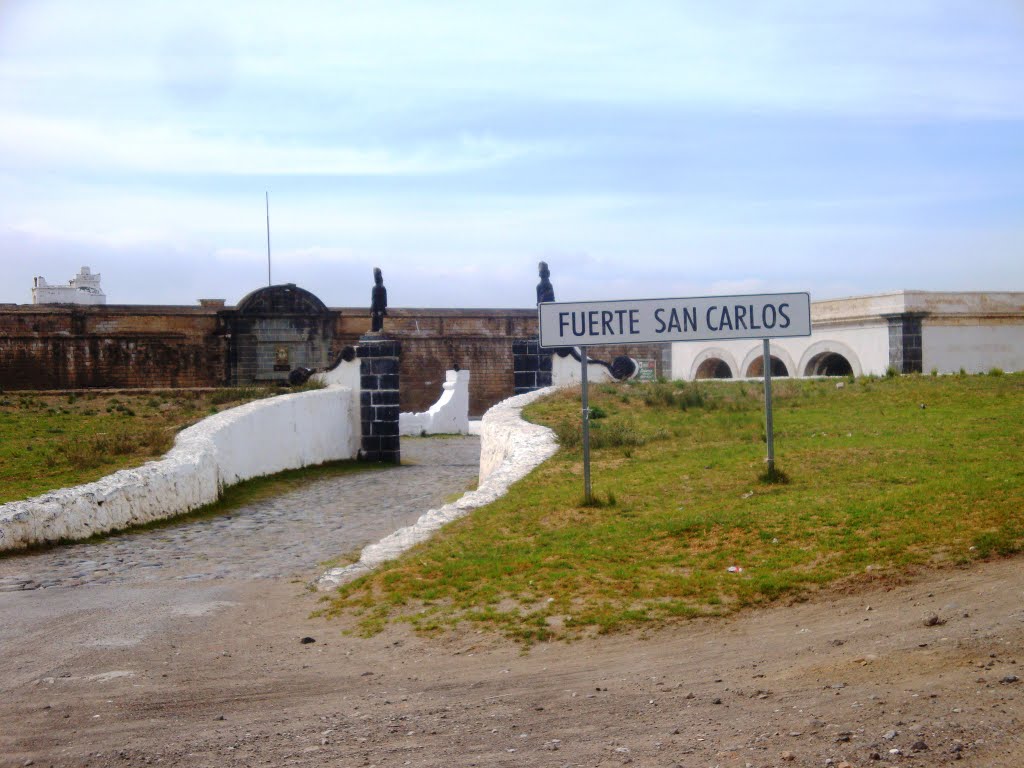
x=131 y=346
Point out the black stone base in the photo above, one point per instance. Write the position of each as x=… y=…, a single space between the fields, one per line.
x=378 y=401
x=906 y=348
x=531 y=366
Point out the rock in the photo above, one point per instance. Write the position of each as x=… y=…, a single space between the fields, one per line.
x=788 y=756
x=890 y=735
x=307 y=640
x=919 y=746
x=932 y=620
x=1009 y=679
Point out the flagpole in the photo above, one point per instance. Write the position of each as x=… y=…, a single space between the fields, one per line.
x=267 y=194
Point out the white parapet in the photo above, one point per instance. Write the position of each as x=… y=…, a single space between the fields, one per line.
x=567 y=372
x=448 y=416
x=509 y=449
x=258 y=438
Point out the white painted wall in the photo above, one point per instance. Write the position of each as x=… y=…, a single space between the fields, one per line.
x=973 y=330
x=254 y=439
x=506 y=440
x=866 y=347
x=975 y=348
x=83 y=288
x=567 y=371
x=448 y=416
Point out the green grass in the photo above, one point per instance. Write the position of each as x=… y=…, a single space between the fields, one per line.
x=50 y=441
x=881 y=476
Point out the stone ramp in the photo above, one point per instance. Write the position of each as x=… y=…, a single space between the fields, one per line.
x=291 y=535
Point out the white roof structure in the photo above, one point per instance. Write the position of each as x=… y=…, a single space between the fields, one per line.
x=83 y=288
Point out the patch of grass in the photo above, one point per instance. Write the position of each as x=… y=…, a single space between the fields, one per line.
x=874 y=480
x=50 y=441
x=773 y=476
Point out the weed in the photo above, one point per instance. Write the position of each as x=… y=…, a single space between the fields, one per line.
x=773 y=476
x=596 y=501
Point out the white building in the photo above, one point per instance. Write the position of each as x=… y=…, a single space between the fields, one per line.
x=83 y=288
x=912 y=331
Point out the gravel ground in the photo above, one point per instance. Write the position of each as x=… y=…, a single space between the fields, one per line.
x=147 y=668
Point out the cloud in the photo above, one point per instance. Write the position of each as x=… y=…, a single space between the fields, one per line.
x=78 y=145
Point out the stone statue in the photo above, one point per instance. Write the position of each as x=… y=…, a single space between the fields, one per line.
x=545 y=290
x=378 y=302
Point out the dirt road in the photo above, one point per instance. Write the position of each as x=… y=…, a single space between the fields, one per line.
x=223 y=679
x=190 y=664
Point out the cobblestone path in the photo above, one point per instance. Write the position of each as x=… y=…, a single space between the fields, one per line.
x=286 y=536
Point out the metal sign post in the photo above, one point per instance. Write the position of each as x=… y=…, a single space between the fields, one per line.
x=586 y=426
x=651 y=321
x=769 y=427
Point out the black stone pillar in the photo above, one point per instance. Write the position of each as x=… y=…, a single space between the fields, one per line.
x=906 y=349
x=378 y=369
x=531 y=366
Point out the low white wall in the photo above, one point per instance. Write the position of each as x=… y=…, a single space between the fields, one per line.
x=567 y=371
x=258 y=438
x=509 y=449
x=448 y=416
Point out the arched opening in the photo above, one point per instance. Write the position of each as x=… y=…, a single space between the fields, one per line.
x=714 y=368
x=828 y=364
x=756 y=367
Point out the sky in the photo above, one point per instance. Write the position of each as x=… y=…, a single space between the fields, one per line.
x=663 y=148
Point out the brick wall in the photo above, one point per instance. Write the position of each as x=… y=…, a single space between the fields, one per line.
x=60 y=347
x=46 y=347
x=436 y=340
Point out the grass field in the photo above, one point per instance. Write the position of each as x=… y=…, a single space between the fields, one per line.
x=52 y=441
x=884 y=476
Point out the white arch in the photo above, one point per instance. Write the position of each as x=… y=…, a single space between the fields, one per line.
x=776 y=351
x=826 y=346
x=713 y=352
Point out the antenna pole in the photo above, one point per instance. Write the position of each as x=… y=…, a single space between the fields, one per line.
x=267 y=194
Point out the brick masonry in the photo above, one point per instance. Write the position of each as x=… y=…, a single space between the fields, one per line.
x=274 y=330
x=46 y=347
x=123 y=346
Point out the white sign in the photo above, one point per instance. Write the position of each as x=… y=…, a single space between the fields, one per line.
x=641 y=321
